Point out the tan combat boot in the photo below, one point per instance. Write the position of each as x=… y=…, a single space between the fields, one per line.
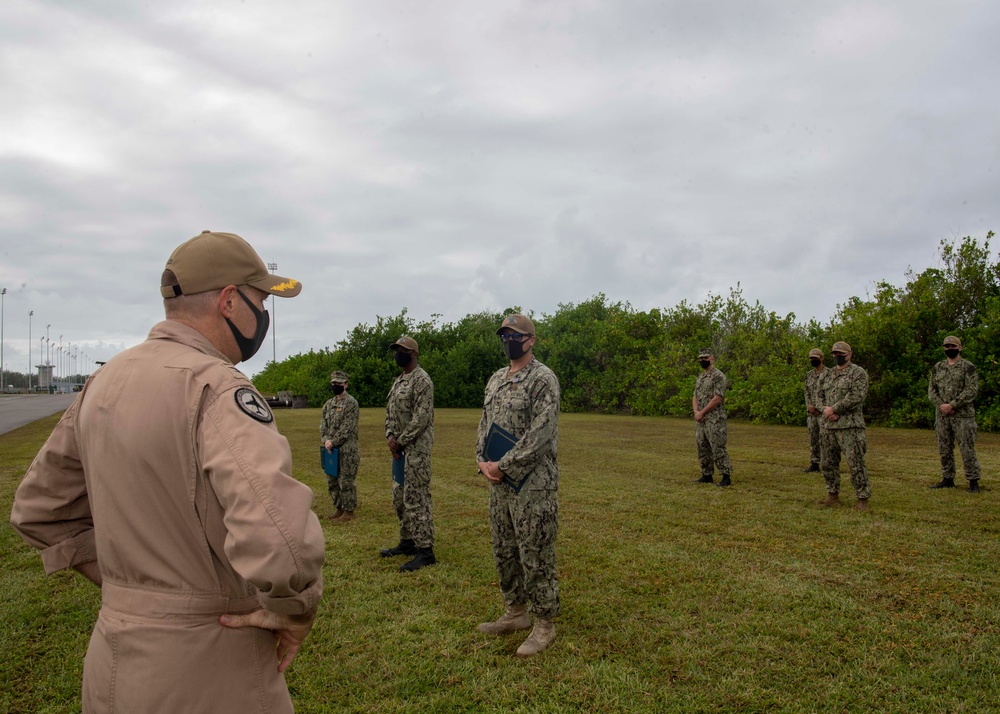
x=539 y=639
x=515 y=618
x=337 y=515
x=862 y=505
x=832 y=499
x=347 y=517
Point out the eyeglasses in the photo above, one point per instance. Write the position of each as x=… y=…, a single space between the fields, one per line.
x=513 y=337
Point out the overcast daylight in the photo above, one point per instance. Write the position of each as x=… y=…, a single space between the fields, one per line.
x=456 y=157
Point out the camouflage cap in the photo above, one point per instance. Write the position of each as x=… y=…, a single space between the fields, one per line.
x=842 y=347
x=211 y=261
x=952 y=341
x=517 y=323
x=338 y=376
x=407 y=343
x=706 y=353
x=816 y=352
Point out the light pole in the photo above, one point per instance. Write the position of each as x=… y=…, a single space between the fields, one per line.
x=47 y=360
x=30 y=313
x=59 y=367
x=3 y=292
x=274 y=321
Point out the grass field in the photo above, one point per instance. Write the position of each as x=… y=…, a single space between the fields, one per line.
x=676 y=596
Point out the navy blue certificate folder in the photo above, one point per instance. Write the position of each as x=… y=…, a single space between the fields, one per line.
x=399 y=468
x=330 y=462
x=498 y=442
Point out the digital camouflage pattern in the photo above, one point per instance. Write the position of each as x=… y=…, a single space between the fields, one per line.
x=712 y=433
x=814 y=398
x=409 y=416
x=956 y=385
x=524 y=528
x=845 y=389
x=711 y=383
x=524 y=525
x=527 y=405
x=853 y=444
x=339 y=425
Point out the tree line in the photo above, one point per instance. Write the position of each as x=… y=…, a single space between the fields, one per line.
x=612 y=358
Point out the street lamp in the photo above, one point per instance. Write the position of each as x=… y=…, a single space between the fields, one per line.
x=30 y=313
x=59 y=366
x=3 y=292
x=274 y=321
x=47 y=360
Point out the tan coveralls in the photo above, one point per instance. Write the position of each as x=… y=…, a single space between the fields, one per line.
x=168 y=471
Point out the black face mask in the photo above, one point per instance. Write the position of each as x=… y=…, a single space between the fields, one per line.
x=815 y=361
x=841 y=360
x=514 y=350
x=403 y=358
x=705 y=364
x=952 y=353
x=249 y=345
x=337 y=388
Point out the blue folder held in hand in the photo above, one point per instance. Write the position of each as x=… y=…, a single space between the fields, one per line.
x=498 y=442
x=330 y=461
x=399 y=468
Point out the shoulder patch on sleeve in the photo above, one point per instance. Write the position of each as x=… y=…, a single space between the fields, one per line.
x=253 y=405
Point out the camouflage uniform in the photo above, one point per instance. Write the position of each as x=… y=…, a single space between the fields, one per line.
x=712 y=432
x=524 y=524
x=814 y=398
x=340 y=426
x=409 y=416
x=845 y=390
x=956 y=385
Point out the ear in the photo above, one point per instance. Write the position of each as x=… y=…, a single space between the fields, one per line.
x=227 y=301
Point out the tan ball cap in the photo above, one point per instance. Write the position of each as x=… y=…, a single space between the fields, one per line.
x=705 y=354
x=338 y=376
x=517 y=323
x=842 y=347
x=816 y=352
x=211 y=261
x=406 y=342
x=952 y=341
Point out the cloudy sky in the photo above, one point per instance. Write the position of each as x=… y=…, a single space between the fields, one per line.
x=452 y=157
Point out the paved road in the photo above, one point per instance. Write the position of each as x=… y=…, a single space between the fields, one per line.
x=20 y=409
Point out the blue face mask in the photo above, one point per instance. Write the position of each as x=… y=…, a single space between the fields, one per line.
x=249 y=345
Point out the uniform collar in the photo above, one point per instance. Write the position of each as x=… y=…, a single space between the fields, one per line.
x=516 y=377
x=185 y=335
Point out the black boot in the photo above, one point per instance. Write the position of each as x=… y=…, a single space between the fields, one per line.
x=725 y=481
x=945 y=483
x=811 y=469
x=424 y=556
x=974 y=485
x=704 y=479
x=406 y=547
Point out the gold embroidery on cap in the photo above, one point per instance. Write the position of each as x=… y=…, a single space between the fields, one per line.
x=282 y=287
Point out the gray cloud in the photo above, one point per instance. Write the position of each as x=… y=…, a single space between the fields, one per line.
x=452 y=158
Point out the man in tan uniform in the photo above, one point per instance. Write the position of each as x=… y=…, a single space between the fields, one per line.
x=168 y=484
